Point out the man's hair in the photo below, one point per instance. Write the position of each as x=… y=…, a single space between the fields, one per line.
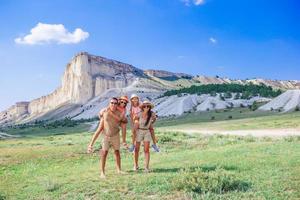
x=115 y=98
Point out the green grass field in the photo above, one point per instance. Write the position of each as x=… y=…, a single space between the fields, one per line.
x=54 y=165
x=241 y=119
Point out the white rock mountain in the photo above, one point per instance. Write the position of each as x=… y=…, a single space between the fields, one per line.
x=288 y=101
x=89 y=81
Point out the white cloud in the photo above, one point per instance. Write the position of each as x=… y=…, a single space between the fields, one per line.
x=198 y=2
x=213 y=40
x=52 y=33
x=194 y=2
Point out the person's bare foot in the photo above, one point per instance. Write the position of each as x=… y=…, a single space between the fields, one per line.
x=102 y=175
x=147 y=170
x=125 y=145
x=135 y=168
x=121 y=172
x=90 y=149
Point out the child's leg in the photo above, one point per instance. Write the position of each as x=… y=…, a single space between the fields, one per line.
x=153 y=139
x=133 y=137
x=134 y=129
x=101 y=126
x=123 y=126
x=95 y=136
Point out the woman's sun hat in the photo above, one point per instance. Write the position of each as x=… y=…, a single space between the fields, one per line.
x=125 y=98
x=134 y=96
x=146 y=103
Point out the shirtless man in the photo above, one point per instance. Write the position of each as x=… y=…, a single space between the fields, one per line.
x=111 y=122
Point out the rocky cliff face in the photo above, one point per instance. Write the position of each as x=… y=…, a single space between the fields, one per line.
x=85 y=77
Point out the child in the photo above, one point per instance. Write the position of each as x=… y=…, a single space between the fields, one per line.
x=123 y=101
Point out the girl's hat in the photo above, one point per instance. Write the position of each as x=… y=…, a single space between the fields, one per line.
x=125 y=98
x=146 y=103
x=134 y=96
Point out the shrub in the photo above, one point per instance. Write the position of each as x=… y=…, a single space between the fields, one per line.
x=50 y=185
x=230 y=117
x=218 y=181
x=291 y=138
x=213 y=93
x=254 y=106
x=237 y=96
x=212 y=118
x=165 y=139
x=2 y=196
x=250 y=138
x=228 y=95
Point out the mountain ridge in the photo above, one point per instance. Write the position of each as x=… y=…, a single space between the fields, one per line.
x=88 y=77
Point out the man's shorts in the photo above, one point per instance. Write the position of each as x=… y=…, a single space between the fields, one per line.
x=143 y=135
x=111 y=141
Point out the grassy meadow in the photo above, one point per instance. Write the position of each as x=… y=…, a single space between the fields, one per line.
x=53 y=164
x=235 y=119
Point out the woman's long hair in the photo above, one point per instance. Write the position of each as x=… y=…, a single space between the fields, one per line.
x=149 y=114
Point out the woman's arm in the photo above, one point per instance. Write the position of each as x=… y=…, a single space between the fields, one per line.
x=153 y=117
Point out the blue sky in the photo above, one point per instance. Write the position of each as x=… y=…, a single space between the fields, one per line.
x=230 y=38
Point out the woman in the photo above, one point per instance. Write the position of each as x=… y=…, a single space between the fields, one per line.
x=134 y=111
x=142 y=124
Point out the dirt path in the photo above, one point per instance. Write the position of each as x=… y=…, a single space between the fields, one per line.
x=255 y=133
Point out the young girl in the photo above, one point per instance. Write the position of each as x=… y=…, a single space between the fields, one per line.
x=142 y=124
x=123 y=101
x=134 y=111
